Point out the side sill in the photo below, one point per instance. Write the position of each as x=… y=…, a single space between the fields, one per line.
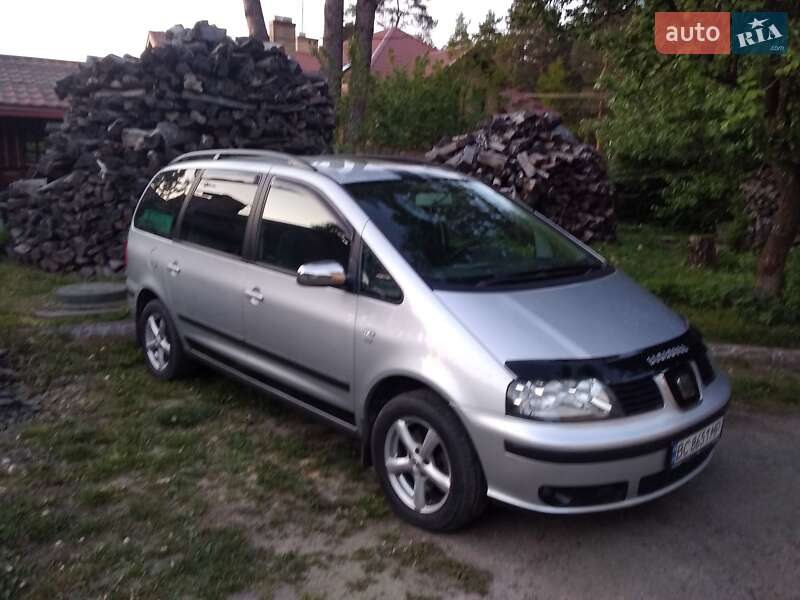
x=276 y=393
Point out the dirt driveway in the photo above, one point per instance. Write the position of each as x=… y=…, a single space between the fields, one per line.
x=733 y=532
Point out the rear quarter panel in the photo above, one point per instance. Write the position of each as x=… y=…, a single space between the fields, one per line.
x=145 y=270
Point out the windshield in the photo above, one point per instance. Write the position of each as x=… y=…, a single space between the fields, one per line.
x=463 y=233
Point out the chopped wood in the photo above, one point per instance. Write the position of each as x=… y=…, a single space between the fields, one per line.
x=532 y=157
x=128 y=117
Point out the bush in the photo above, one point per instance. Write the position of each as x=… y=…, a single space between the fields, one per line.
x=669 y=117
x=412 y=111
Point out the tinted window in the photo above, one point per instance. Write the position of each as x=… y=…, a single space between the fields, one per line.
x=375 y=279
x=298 y=228
x=161 y=203
x=461 y=232
x=216 y=216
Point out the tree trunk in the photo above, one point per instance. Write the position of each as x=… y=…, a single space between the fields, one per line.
x=332 y=45
x=786 y=225
x=703 y=251
x=255 y=20
x=360 y=63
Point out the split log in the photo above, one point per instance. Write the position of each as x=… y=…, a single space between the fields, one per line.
x=533 y=158
x=130 y=116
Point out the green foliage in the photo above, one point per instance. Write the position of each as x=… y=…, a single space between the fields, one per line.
x=697 y=122
x=553 y=78
x=405 y=13
x=460 y=37
x=412 y=111
x=488 y=31
x=535 y=40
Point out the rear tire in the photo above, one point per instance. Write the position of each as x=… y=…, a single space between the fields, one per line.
x=426 y=464
x=163 y=352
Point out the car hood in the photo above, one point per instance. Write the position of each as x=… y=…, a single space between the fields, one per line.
x=602 y=317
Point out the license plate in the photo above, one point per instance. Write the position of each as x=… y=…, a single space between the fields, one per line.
x=695 y=443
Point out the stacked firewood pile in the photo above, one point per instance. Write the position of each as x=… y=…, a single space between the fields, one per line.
x=128 y=117
x=532 y=157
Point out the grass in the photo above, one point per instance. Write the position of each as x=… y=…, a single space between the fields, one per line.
x=719 y=301
x=776 y=388
x=126 y=485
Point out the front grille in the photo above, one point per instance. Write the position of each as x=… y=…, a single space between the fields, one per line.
x=658 y=481
x=630 y=376
x=704 y=366
x=638 y=396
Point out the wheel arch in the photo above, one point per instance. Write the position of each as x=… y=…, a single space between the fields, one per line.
x=380 y=394
x=144 y=296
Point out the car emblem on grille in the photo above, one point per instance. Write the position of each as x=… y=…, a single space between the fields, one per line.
x=687 y=385
x=665 y=355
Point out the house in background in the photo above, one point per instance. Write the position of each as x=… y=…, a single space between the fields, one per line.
x=303 y=49
x=27 y=103
x=394 y=49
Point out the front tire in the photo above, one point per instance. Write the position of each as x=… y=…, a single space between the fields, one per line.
x=162 y=348
x=426 y=464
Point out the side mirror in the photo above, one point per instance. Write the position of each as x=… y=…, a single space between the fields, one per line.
x=321 y=273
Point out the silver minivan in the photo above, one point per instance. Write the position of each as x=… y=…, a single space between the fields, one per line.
x=476 y=349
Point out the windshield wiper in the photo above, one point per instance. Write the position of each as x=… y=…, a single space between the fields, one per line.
x=538 y=274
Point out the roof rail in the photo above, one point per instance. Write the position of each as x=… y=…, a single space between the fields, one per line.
x=278 y=157
x=388 y=158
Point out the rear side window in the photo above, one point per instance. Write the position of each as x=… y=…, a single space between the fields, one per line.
x=161 y=203
x=297 y=228
x=216 y=216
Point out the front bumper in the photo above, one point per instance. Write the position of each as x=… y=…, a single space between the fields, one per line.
x=593 y=466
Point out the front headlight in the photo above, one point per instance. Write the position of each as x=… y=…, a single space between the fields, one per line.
x=559 y=399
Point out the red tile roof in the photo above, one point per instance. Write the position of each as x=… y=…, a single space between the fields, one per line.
x=27 y=86
x=394 y=49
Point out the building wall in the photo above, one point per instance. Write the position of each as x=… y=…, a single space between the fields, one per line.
x=282 y=31
x=307 y=44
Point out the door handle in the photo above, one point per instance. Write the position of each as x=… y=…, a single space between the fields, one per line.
x=174 y=268
x=255 y=295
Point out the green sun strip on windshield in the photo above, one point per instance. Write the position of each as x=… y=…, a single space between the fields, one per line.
x=155 y=221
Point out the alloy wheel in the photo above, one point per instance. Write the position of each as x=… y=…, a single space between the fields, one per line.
x=156 y=341
x=417 y=465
